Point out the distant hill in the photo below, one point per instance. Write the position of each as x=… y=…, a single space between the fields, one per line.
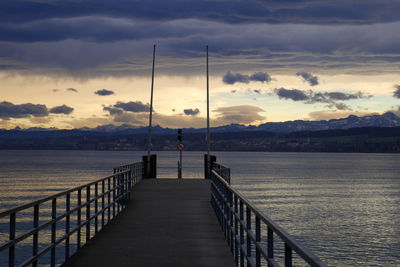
x=388 y=119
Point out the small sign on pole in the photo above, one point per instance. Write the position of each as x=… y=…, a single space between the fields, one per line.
x=181 y=146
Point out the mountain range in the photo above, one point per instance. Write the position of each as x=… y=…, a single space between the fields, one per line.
x=388 y=119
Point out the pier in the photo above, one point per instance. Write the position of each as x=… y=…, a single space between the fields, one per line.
x=131 y=218
x=169 y=222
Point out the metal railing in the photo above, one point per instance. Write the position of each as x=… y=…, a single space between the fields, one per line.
x=223 y=171
x=242 y=222
x=100 y=208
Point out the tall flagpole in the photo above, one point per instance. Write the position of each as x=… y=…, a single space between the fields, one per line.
x=208 y=119
x=151 y=112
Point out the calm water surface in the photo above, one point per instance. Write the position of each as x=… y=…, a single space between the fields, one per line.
x=343 y=207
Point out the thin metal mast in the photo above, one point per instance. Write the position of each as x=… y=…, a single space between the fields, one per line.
x=208 y=118
x=151 y=112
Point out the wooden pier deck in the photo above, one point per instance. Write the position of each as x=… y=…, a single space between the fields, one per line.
x=168 y=222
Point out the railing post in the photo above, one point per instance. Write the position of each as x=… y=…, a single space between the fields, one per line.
x=258 y=239
x=87 y=213
x=53 y=232
x=236 y=231
x=232 y=243
x=270 y=246
x=241 y=233
x=248 y=226
x=109 y=199
x=96 y=195
x=78 y=234
x=130 y=180
x=288 y=256
x=35 y=243
x=102 y=203
x=67 y=225
x=118 y=191
x=113 y=204
x=11 y=249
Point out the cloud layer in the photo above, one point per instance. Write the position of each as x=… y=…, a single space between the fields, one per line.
x=64 y=109
x=9 y=110
x=311 y=97
x=396 y=93
x=100 y=40
x=104 y=92
x=244 y=114
x=232 y=78
x=309 y=78
x=191 y=112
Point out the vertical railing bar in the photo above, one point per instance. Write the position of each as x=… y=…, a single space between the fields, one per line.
x=236 y=231
x=270 y=245
x=231 y=221
x=87 y=213
x=119 y=192
x=35 y=243
x=288 y=256
x=113 y=196
x=11 y=249
x=67 y=224
x=53 y=231
x=109 y=199
x=248 y=226
x=258 y=239
x=241 y=233
x=131 y=182
x=102 y=203
x=224 y=214
x=78 y=237
x=96 y=202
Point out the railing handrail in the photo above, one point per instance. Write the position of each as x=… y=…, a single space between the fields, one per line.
x=45 y=199
x=307 y=255
x=223 y=171
x=125 y=166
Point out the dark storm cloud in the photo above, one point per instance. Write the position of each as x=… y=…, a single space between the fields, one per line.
x=232 y=78
x=260 y=77
x=121 y=108
x=104 y=92
x=97 y=29
x=103 y=38
x=191 y=112
x=131 y=106
x=293 y=94
x=308 y=77
x=113 y=111
x=72 y=90
x=64 y=109
x=294 y=46
x=396 y=93
x=311 y=97
x=9 y=110
x=344 y=96
x=252 y=11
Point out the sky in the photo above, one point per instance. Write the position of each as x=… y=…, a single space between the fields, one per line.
x=84 y=63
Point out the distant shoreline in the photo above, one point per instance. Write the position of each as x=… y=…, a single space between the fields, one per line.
x=354 y=140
